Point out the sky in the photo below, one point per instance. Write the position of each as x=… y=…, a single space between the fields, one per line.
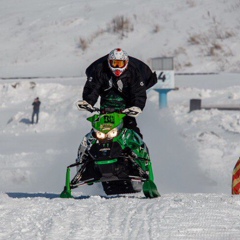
x=193 y=153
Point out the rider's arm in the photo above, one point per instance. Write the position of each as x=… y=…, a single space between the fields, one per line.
x=91 y=89
x=138 y=90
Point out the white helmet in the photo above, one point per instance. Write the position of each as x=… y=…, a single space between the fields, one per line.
x=118 y=61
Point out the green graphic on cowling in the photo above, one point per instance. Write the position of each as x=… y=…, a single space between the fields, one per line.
x=106 y=122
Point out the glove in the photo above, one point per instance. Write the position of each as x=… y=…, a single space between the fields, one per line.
x=82 y=104
x=132 y=111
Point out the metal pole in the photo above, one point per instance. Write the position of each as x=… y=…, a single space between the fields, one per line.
x=162 y=97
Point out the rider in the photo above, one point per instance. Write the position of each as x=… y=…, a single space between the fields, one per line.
x=119 y=80
x=116 y=78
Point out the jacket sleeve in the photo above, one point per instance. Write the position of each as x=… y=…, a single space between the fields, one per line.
x=91 y=89
x=138 y=90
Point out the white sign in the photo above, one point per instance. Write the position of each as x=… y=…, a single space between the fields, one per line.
x=165 y=79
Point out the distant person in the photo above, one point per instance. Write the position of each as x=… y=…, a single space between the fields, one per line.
x=36 y=107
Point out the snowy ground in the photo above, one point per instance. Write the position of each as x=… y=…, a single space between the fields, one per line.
x=193 y=154
x=174 y=216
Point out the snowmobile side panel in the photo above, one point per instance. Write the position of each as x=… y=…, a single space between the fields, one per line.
x=130 y=139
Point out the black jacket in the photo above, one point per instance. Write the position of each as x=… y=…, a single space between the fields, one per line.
x=36 y=106
x=120 y=92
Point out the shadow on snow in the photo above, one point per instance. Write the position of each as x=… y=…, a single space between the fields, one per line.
x=54 y=195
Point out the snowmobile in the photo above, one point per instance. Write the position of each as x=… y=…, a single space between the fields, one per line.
x=115 y=156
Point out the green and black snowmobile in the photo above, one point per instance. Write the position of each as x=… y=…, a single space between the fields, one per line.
x=113 y=155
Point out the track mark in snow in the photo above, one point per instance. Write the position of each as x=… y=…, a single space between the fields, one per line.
x=138 y=219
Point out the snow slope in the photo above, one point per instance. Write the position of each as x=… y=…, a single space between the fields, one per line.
x=193 y=154
x=60 y=38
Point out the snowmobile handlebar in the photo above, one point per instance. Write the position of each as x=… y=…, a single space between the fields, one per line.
x=89 y=108
x=82 y=105
x=93 y=109
x=104 y=111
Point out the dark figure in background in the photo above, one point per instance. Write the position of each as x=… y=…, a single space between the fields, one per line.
x=36 y=107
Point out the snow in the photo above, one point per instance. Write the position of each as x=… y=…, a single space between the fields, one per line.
x=174 y=216
x=193 y=153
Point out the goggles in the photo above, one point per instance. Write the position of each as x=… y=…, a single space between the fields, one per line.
x=118 y=63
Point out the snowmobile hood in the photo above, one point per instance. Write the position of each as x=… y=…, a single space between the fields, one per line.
x=106 y=122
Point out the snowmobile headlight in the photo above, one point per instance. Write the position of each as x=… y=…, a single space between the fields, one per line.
x=113 y=133
x=100 y=135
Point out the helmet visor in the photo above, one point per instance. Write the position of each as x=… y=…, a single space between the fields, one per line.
x=118 y=63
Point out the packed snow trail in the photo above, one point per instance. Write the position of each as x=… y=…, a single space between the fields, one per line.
x=173 y=216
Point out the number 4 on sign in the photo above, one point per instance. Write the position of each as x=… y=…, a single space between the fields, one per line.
x=162 y=76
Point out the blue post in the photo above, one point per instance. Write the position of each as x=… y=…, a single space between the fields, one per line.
x=163 y=96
